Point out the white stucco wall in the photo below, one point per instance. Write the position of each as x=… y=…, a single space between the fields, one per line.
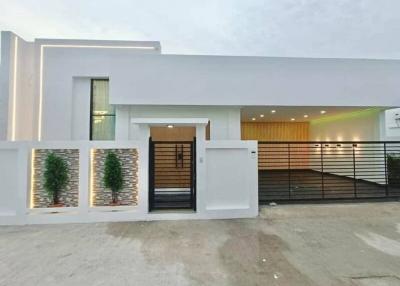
x=224 y=121
x=17 y=88
x=5 y=83
x=391 y=125
x=61 y=66
x=9 y=181
x=231 y=166
x=240 y=198
x=223 y=80
x=80 y=109
x=48 y=88
x=49 y=92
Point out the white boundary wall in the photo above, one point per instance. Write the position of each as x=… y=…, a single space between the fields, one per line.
x=217 y=194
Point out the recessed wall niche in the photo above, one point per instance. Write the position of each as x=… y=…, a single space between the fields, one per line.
x=68 y=196
x=102 y=196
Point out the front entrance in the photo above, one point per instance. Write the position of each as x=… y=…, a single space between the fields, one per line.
x=172 y=175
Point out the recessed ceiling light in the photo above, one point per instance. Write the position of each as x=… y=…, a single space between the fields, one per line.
x=305 y=116
x=323 y=111
x=273 y=111
x=170 y=126
x=261 y=115
x=292 y=119
x=253 y=119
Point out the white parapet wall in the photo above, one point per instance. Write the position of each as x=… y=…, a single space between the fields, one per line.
x=227 y=185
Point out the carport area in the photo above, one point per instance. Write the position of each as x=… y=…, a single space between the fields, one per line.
x=351 y=244
x=309 y=185
x=309 y=171
x=324 y=153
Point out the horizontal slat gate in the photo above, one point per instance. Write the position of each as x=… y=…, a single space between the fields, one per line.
x=171 y=175
x=172 y=165
x=290 y=171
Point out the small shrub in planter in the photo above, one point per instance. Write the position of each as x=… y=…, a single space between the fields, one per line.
x=55 y=178
x=113 y=177
x=393 y=167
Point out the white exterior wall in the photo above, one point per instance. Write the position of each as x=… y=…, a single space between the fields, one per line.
x=224 y=121
x=49 y=86
x=391 y=124
x=369 y=125
x=253 y=81
x=5 y=83
x=363 y=126
x=17 y=88
x=223 y=173
x=48 y=90
x=8 y=178
x=240 y=200
x=58 y=83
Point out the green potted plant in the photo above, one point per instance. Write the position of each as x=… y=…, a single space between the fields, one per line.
x=393 y=167
x=55 y=178
x=113 y=177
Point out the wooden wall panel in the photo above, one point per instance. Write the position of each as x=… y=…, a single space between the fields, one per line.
x=275 y=131
x=278 y=131
x=172 y=134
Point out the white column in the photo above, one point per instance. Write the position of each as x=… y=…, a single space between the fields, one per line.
x=84 y=179
x=143 y=196
x=23 y=185
x=122 y=123
x=201 y=187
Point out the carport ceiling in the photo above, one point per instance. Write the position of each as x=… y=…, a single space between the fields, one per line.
x=288 y=113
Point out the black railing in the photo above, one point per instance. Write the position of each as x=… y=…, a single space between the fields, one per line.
x=328 y=170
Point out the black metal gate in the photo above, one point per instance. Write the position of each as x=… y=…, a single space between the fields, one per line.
x=172 y=175
x=306 y=171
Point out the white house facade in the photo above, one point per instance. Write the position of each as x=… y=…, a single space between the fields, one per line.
x=197 y=136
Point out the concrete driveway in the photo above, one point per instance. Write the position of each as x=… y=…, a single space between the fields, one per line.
x=348 y=244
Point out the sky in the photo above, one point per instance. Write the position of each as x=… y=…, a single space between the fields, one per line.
x=283 y=28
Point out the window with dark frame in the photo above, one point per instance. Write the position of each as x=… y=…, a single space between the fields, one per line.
x=102 y=114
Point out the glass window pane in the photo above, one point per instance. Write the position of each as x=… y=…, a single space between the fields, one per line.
x=100 y=98
x=103 y=127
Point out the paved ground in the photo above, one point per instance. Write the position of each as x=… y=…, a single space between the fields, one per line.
x=287 y=245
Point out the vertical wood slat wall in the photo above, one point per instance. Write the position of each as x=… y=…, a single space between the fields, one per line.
x=278 y=131
x=275 y=131
x=172 y=134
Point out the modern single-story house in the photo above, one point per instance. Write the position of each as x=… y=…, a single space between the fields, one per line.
x=196 y=136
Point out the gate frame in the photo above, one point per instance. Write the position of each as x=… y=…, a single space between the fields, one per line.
x=152 y=176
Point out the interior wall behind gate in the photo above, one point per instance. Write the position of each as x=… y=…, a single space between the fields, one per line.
x=275 y=131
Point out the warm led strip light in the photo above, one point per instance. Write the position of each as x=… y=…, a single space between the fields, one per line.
x=72 y=46
x=31 y=203
x=14 y=99
x=91 y=193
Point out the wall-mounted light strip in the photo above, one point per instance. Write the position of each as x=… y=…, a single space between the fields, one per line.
x=14 y=98
x=91 y=188
x=137 y=175
x=100 y=47
x=31 y=202
x=40 y=112
x=40 y=95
